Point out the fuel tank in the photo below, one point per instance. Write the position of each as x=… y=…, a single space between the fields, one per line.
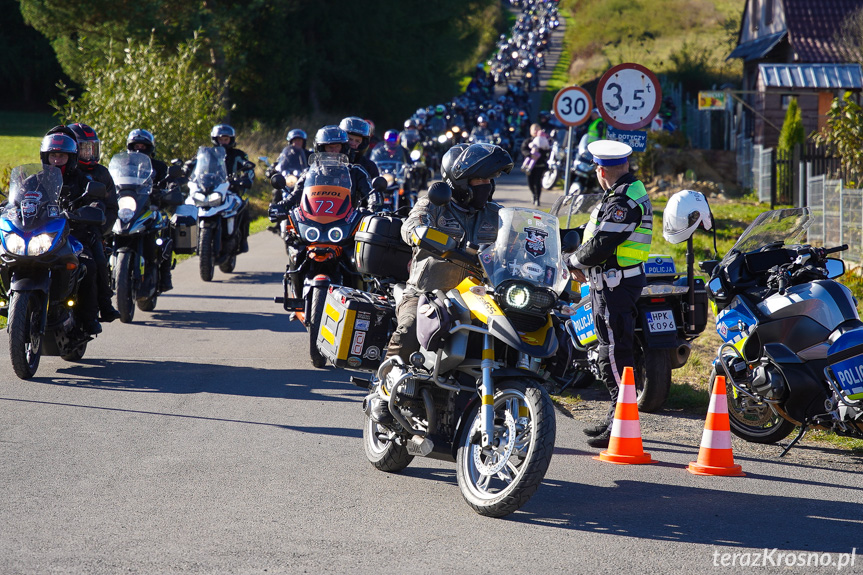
x=825 y=302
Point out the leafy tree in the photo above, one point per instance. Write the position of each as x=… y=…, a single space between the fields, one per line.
x=843 y=134
x=791 y=135
x=173 y=97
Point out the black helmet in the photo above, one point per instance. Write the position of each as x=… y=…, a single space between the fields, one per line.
x=89 y=146
x=331 y=135
x=357 y=127
x=141 y=137
x=59 y=143
x=462 y=163
x=220 y=130
x=297 y=133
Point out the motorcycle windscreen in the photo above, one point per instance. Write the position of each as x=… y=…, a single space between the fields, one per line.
x=325 y=204
x=33 y=193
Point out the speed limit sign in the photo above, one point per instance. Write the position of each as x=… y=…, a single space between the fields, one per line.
x=628 y=96
x=572 y=106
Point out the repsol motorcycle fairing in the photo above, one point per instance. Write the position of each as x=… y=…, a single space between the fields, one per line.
x=793 y=341
x=39 y=269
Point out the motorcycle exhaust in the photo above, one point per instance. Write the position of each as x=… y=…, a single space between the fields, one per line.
x=681 y=355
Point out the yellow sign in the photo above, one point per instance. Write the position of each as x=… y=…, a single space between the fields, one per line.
x=712 y=100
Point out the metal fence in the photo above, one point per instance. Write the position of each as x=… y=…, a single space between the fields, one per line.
x=838 y=216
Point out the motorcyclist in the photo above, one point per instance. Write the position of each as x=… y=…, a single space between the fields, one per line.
x=294 y=156
x=390 y=150
x=61 y=150
x=480 y=132
x=225 y=136
x=143 y=141
x=437 y=125
x=471 y=216
x=358 y=131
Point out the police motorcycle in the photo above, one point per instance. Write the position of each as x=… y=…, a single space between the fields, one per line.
x=320 y=240
x=473 y=394
x=672 y=311
x=792 y=350
x=39 y=266
x=141 y=234
x=220 y=210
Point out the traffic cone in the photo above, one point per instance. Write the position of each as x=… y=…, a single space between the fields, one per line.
x=715 y=456
x=625 y=446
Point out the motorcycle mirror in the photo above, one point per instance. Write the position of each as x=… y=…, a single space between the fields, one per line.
x=96 y=190
x=708 y=266
x=835 y=267
x=264 y=160
x=571 y=241
x=379 y=184
x=247 y=165
x=416 y=155
x=440 y=194
x=177 y=162
x=173 y=198
x=175 y=172
x=278 y=181
x=88 y=215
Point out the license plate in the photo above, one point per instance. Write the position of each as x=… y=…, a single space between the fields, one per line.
x=849 y=375
x=659 y=321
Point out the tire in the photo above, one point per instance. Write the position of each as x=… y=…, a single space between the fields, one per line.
x=229 y=264
x=319 y=296
x=125 y=281
x=549 y=178
x=148 y=304
x=652 y=377
x=25 y=349
x=206 y=257
x=499 y=480
x=755 y=424
x=384 y=454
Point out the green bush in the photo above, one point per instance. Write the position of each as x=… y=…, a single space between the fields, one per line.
x=173 y=97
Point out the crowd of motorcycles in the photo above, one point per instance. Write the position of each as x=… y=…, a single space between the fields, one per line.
x=477 y=392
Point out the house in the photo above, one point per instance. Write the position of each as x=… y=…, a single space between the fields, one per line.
x=792 y=49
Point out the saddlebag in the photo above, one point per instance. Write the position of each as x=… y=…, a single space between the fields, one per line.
x=433 y=322
x=355 y=328
x=184 y=229
x=380 y=251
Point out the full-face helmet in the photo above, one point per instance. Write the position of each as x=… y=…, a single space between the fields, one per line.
x=141 y=137
x=331 y=135
x=220 y=130
x=59 y=143
x=89 y=146
x=685 y=211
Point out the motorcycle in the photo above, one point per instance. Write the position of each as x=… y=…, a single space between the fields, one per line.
x=141 y=233
x=220 y=211
x=291 y=176
x=473 y=394
x=399 y=192
x=668 y=320
x=321 y=236
x=556 y=159
x=40 y=271
x=792 y=349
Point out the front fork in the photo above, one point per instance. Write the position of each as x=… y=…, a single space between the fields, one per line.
x=486 y=391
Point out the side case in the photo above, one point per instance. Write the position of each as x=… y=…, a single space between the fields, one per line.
x=380 y=251
x=355 y=328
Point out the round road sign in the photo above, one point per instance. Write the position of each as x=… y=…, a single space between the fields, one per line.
x=628 y=96
x=572 y=106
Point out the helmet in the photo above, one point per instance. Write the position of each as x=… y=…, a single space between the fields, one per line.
x=439 y=110
x=297 y=133
x=223 y=130
x=54 y=143
x=391 y=137
x=357 y=127
x=421 y=114
x=410 y=125
x=371 y=127
x=685 y=211
x=141 y=137
x=480 y=119
x=462 y=163
x=331 y=135
x=89 y=146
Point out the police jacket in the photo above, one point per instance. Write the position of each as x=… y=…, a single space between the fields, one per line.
x=361 y=190
x=100 y=174
x=428 y=271
x=620 y=229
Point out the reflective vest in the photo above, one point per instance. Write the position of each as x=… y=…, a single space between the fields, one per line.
x=593 y=131
x=634 y=250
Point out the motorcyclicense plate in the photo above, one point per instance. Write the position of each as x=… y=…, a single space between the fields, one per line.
x=849 y=375
x=660 y=321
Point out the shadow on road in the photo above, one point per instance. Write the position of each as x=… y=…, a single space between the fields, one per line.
x=278 y=321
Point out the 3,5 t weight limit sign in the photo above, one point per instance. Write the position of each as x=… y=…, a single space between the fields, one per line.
x=572 y=106
x=628 y=96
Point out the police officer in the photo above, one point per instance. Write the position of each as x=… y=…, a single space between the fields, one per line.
x=470 y=172
x=596 y=127
x=616 y=243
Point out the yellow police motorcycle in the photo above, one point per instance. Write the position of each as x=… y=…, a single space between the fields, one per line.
x=473 y=394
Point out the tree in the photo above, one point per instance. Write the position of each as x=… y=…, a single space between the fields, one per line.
x=790 y=136
x=843 y=135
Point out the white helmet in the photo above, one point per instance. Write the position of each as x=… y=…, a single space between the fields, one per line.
x=685 y=211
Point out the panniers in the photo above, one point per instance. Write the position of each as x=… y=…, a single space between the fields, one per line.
x=355 y=328
x=380 y=251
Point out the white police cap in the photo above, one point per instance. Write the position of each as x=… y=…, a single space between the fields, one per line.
x=609 y=152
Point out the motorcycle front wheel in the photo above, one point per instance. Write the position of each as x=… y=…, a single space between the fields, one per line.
x=206 y=257
x=549 y=178
x=499 y=479
x=382 y=452
x=652 y=377
x=319 y=296
x=125 y=280
x=25 y=344
x=753 y=422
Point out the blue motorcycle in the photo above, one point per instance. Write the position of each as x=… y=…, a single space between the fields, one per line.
x=39 y=267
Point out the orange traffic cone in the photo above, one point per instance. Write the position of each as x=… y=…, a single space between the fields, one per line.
x=625 y=443
x=715 y=456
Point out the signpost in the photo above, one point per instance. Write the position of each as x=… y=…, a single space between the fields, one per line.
x=628 y=96
x=572 y=107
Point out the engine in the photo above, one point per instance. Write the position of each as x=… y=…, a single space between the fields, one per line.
x=768 y=382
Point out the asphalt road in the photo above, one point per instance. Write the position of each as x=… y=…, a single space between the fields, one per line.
x=199 y=439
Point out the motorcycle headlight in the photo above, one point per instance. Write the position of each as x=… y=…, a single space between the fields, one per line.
x=312 y=234
x=15 y=244
x=199 y=198
x=336 y=235
x=40 y=244
x=517 y=296
x=442 y=139
x=215 y=198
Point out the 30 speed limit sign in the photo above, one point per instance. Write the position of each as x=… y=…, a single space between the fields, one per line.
x=628 y=96
x=572 y=106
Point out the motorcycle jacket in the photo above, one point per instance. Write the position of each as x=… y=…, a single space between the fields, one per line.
x=369 y=166
x=292 y=159
x=109 y=205
x=620 y=229
x=428 y=272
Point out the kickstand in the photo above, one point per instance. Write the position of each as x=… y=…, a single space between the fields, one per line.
x=794 y=441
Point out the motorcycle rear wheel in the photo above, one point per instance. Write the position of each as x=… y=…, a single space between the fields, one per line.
x=755 y=424
x=549 y=178
x=319 y=296
x=385 y=454
x=206 y=257
x=229 y=264
x=652 y=377
x=125 y=281
x=25 y=348
x=499 y=479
